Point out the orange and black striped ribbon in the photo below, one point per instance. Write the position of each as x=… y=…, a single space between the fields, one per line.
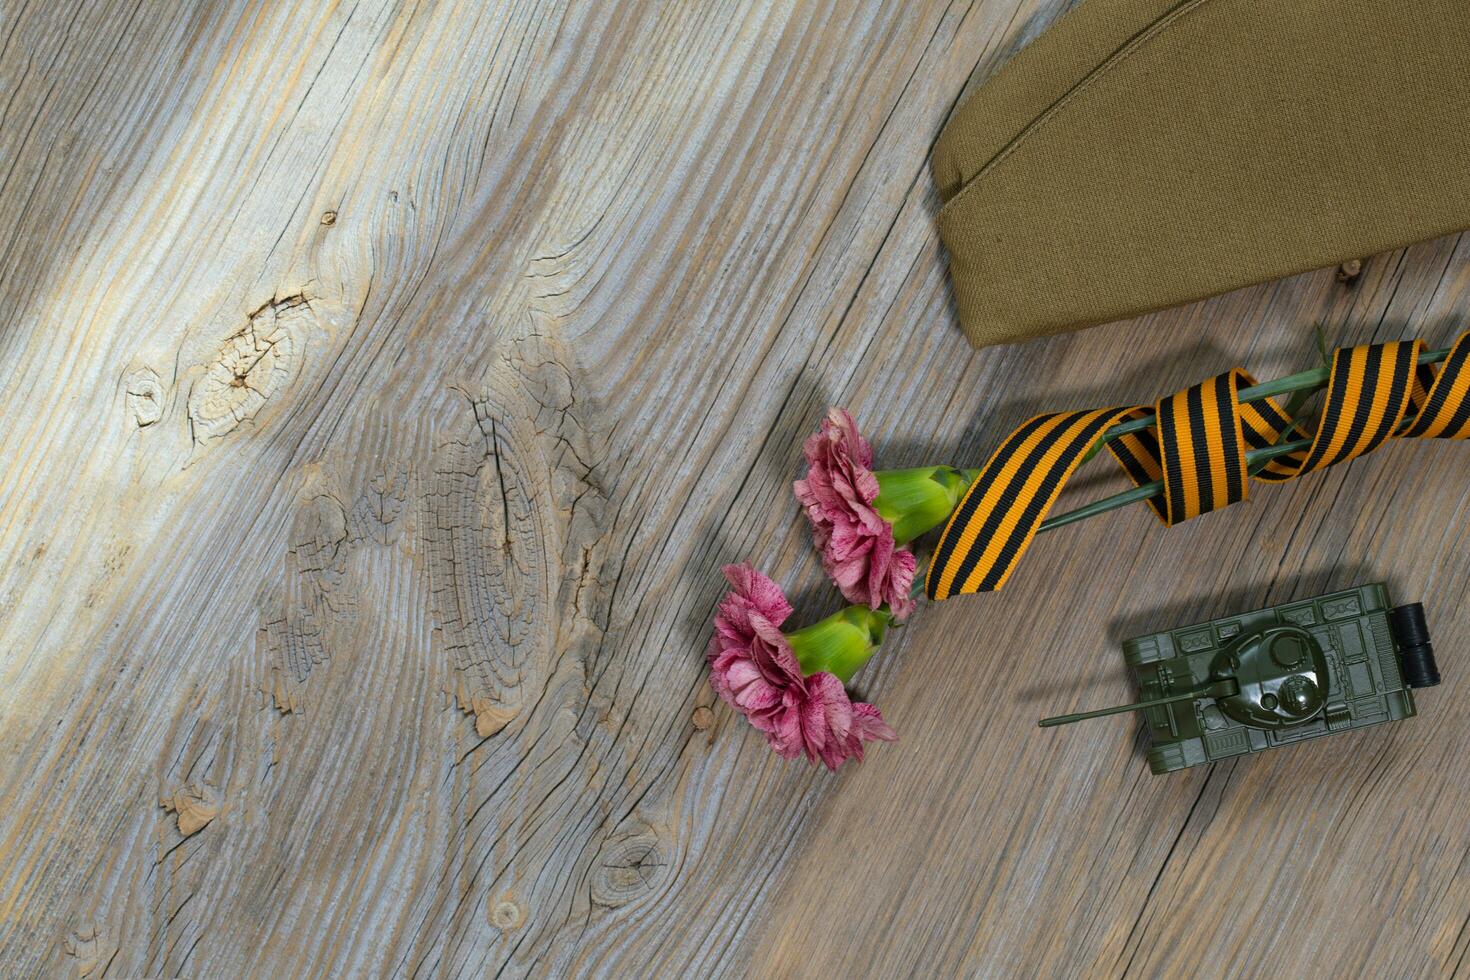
x=1197 y=447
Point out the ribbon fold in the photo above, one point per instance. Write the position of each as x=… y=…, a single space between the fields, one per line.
x=1197 y=447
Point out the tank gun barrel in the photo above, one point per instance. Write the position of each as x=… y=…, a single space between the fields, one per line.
x=1225 y=688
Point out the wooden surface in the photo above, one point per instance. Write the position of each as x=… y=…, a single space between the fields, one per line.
x=385 y=384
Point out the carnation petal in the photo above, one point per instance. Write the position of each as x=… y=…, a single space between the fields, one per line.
x=763 y=595
x=896 y=591
x=855 y=542
x=868 y=723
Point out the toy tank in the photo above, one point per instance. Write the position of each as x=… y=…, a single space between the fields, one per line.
x=1276 y=676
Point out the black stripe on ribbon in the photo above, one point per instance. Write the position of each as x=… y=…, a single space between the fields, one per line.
x=1405 y=357
x=1441 y=388
x=1337 y=384
x=1035 y=509
x=1360 y=408
x=1227 y=388
x=971 y=502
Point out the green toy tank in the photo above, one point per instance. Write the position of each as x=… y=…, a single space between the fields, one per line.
x=1276 y=676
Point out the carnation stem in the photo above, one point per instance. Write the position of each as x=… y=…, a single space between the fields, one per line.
x=1255 y=460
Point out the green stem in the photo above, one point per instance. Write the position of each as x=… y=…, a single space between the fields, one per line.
x=1255 y=460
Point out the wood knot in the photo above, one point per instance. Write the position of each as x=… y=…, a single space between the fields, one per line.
x=518 y=529
x=329 y=218
x=91 y=949
x=629 y=868
x=490 y=715
x=506 y=913
x=1349 y=271
x=196 y=804
x=254 y=364
x=143 y=392
x=702 y=718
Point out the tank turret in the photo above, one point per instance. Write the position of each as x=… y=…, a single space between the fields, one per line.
x=1276 y=676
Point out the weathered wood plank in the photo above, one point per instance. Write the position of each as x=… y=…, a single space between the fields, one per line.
x=387 y=382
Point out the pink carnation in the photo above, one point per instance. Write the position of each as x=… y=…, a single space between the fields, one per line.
x=856 y=543
x=753 y=669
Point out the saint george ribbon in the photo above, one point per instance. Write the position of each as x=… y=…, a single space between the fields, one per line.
x=1197 y=446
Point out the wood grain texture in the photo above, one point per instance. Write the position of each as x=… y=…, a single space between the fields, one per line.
x=386 y=383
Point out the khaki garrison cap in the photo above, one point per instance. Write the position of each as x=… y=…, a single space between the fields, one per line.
x=1146 y=153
